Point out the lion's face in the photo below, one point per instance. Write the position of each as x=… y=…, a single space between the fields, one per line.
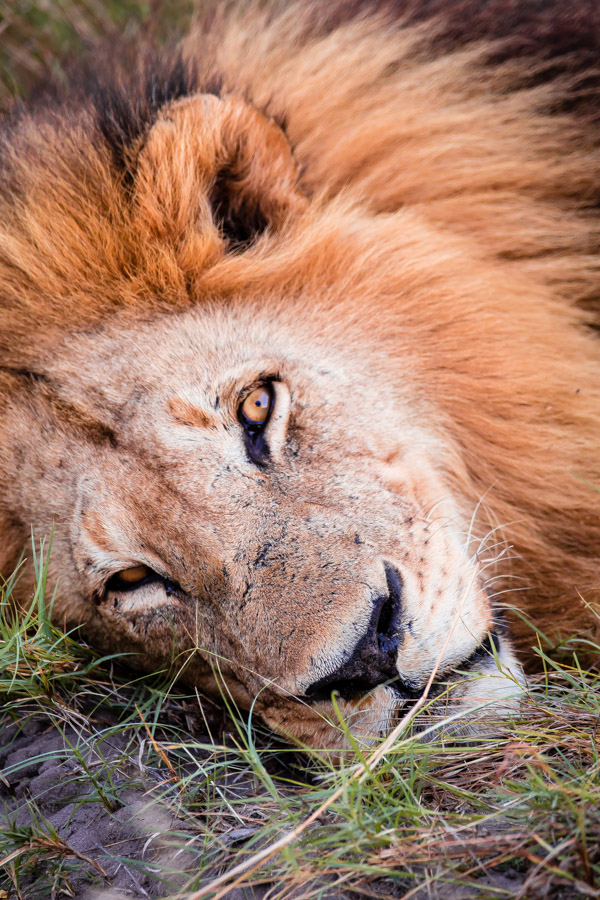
x=317 y=550
x=236 y=421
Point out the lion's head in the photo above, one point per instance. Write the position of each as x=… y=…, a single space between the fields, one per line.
x=284 y=438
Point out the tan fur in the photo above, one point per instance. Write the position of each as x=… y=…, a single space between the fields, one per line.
x=423 y=290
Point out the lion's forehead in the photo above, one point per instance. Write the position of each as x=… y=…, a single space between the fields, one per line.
x=177 y=380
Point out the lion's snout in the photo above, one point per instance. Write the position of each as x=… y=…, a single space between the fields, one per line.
x=372 y=660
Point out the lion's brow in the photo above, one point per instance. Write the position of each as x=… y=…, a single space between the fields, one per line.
x=186 y=413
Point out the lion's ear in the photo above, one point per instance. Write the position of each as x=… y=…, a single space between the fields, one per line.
x=219 y=166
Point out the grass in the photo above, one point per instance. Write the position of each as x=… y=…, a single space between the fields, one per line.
x=38 y=37
x=210 y=793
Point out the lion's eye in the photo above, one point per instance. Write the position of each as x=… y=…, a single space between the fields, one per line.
x=254 y=413
x=255 y=409
x=128 y=579
x=135 y=574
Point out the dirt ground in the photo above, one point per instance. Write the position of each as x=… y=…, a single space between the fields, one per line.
x=104 y=827
x=105 y=842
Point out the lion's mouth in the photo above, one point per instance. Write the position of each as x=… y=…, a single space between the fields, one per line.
x=352 y=689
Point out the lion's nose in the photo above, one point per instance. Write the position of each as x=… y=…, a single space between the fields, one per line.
x=373 y=660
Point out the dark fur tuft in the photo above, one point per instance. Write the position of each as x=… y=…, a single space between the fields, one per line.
x=547 y=28
x=126 y=106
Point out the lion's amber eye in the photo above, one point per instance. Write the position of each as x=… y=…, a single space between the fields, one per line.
x=256 y=407
x=134 y=575
x=129 y=579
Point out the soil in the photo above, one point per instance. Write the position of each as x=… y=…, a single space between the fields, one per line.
x=101 y=823
x=38 y=766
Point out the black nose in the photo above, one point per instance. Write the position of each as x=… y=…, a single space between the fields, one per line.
x=373 y=660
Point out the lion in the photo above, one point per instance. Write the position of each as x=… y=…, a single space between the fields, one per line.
x=298 y=355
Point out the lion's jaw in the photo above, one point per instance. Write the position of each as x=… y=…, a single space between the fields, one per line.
x=273 y=573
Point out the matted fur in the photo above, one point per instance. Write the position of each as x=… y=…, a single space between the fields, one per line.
x=397 y=223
